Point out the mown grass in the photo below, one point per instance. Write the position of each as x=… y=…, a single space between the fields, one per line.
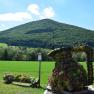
x=27 y=68
x=12 y=89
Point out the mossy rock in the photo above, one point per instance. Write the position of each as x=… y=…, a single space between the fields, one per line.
x=73 y=77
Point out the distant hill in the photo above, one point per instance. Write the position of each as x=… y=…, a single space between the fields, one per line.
x=46 y=33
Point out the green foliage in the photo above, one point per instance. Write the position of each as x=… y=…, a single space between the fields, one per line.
x=22 y=53
x=25 y=53
x=46 y=34
x=5 y=55
x=79 y=56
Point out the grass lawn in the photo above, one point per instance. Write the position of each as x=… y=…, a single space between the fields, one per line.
x=29 y=68
x=12 y=89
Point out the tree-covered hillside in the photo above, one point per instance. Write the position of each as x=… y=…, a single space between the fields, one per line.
x=46 y=33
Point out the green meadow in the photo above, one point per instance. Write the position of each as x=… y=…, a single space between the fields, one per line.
x=29 y=68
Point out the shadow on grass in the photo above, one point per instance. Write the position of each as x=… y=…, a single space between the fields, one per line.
x=27 y=85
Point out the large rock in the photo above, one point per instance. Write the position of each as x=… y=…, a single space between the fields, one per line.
x=67 y=74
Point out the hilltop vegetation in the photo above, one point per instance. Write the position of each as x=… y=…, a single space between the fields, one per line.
x=46 y=34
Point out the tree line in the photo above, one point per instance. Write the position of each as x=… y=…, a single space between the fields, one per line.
x=18 y=53
x=23 y=53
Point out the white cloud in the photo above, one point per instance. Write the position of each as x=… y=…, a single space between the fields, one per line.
x=45 y=13
x=19 y=16
x=34 y=9
x=48 y=12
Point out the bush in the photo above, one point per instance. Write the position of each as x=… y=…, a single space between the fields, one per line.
x=8 y=78
x=22 y=78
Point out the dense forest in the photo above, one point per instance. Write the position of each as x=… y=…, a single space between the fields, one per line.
x=46 y=33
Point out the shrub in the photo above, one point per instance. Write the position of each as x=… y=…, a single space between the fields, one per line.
x=22 y=78
x=8 y=78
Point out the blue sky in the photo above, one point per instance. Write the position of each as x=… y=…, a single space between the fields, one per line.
x=75 y=12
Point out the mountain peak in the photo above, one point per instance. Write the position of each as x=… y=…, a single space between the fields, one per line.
x=46 y=20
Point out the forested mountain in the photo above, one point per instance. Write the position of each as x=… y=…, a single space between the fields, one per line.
x=46 y=33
